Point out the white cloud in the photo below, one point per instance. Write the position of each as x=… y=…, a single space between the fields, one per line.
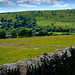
x=26 y=5
x=30 y=3
x=61 y=6
x=44 y=2
x=3 y=10
x=65 y=8
x=7 y=2
x=68 y=8
x=8 y=10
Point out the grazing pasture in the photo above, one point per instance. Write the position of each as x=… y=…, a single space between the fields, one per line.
x=56 y=24
x=12 y=50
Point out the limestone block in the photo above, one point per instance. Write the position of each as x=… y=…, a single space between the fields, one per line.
x=73 y=47
x=58 y=54
x=23 y=69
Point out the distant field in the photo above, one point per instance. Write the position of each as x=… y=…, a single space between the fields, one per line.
x=12 y=50
x=56 y=23
x=61 y=33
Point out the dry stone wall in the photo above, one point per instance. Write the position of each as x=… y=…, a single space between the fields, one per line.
x=60 y=62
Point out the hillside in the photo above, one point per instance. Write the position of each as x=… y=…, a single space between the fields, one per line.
x=39 y=21
x=52 y=15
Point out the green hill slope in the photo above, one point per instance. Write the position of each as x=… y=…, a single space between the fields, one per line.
x=54 y=15
x=50 y=20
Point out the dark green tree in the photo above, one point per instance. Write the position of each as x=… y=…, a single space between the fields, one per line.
x=52 y=23
x=13 y=33
x=29 y=33
x=51 y=33
x=41 y=33
x=5 y=20
x=22 y=32
x=2 y=33
x=2 y=19
x=68 y=33
x=10 y=20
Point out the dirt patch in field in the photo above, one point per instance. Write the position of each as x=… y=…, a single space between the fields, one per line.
x=57 y=46
x=28 y=45
x=44 y=46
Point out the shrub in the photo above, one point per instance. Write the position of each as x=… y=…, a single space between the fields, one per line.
x=2 y=33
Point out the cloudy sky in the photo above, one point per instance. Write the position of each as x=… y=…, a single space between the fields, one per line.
x=27 y=5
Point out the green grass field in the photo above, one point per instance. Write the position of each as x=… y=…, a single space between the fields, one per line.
x=60 y=33
x=56 y=23
x=12 y=50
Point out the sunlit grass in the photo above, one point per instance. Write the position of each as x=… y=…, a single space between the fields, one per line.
x=12 y=50
x=56 y=23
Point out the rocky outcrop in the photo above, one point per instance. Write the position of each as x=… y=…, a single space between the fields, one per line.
x=60 y=62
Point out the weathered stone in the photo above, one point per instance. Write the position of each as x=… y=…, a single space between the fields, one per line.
x=0 y=73
x=73 y=46
x=38 y=69
x=19 y=62
x=45 y=54
x=42 y=59
x=4 y=69
x=58 y=54
x=41 y=64
x=52 y=57
x=73 y=49
x=33 y=69
x=68 y=53
x=47 y=60
x=38 y=59
x=23 y=69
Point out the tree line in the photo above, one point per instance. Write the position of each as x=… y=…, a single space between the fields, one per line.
x=26 y=26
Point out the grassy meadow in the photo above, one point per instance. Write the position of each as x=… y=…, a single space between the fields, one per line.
x=12 y=50
x=61 y=33
x=56 y=23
